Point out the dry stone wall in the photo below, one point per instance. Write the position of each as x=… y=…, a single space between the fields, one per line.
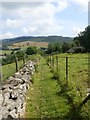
x=13 y=93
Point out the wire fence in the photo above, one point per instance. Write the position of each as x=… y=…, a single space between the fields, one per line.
x=73 y=71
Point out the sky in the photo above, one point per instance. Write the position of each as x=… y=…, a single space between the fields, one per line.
x=43 y=17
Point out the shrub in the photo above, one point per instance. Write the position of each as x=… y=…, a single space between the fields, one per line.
x=31 y=50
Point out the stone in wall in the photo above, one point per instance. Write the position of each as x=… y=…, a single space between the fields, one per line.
x=13 y=93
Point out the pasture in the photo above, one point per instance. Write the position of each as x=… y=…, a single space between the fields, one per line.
x=26 y=44
x=53 y=98
x=5 y=51
x=50 y=97
x=9 y=69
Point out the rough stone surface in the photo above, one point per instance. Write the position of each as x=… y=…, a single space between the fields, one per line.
x=13 y=92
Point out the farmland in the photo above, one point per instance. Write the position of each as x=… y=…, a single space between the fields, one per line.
x=24 y=45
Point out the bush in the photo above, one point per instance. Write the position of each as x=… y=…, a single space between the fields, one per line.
x=31 y=50
x=9 y=59
x=20 y=54
x=54 y=48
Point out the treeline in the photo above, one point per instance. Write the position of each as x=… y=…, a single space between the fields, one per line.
x=54 y=48
x=83 y=39
x=81 y=43
x=19 y=55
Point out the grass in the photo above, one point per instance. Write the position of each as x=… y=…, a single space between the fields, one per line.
x=5 y=51
x=9 y=69
x=77 y=76
x=42 y=98
x=51 y=98
x=48 y=99
x=77 y=71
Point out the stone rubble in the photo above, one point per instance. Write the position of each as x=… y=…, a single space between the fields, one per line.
x=13 y=93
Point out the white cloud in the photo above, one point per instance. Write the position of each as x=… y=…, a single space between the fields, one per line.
x=83 y=4
x=76 y=30
x=62 y=5
x=36 y=20
x=25 y=0
x=7 y=35
x=42 y=18
x=46 y=29
x=12 y=23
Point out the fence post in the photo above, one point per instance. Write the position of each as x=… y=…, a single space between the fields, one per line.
x=47 y=59
x=67 y=70
x=50 y=60
x=23 y=59
x=1 y=79
x=52 y=63
x=16 y=63
x=57 y=63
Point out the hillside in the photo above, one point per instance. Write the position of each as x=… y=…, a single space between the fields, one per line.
x=26 y=44
x=37 y=39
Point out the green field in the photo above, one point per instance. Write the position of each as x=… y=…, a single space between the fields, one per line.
x=42 y=98
x=77 y=70
x=51 y=98
x=9 y=69
x=5 y=51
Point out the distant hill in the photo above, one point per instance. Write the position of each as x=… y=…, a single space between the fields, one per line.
x=48 y=39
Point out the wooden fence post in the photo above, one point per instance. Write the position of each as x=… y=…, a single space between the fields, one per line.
x=47 y=58
x=85 y=100
x=67 y=70
x=23 y=60
x=1 y=79
x=57 y=63
x=50 y=60
x=16 y=63
x=53 y=63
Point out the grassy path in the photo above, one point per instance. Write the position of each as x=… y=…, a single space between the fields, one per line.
x=43 y=100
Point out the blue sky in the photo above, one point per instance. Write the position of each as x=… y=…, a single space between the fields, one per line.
x=37 y=18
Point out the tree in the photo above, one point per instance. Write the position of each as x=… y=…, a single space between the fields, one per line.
x=31 y=50
x=54 y=48
x=20 y=54
x=84 y=38
x=76 y=41
x=9 y=59
x=50 y=48
x=65 y=47
x=57 y=47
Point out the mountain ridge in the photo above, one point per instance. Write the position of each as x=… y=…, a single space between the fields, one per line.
x=49 y=39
